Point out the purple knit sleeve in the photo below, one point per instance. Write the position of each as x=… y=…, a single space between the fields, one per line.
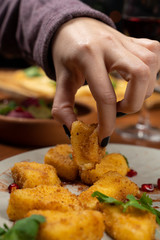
x=28 y=26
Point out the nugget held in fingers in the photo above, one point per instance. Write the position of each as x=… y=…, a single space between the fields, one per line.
x=77 y=225
x=61 y=158
x=32 y=174
x=110 y=162
x=86 y=150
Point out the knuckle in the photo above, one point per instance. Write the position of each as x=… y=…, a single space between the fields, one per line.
x=132 y=108
x=57 y=112
x=142 y=71
x=85 y=47
x=83 y=50
x=108 y=98
x=110 y=37
x=154 y=45
x=111 y=41
x=149 y=92
x=151 y=59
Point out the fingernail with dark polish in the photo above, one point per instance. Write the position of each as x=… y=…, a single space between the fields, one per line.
x=105 y=141
x=67 y=131
x=121 y=114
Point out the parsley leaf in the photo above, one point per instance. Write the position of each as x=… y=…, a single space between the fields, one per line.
x=32 y=71
x=2 y=231
x=126 y=160
x=114 y=84
x=105 y=199
x=5 y=108
x=133 y=202
x=145 y=199
x=23 y=229
x=144 y=203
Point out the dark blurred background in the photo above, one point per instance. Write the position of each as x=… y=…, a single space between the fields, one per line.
x=113 y=8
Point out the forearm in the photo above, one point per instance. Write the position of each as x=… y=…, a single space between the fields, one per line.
x=27 y=27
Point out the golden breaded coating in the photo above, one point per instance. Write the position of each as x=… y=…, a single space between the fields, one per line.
x=61 y=158
x=84 y=140
x=134 y=224
x=41 y=197
x=32 y=174
x=73 y=225
x=110 y=162
x=111 y=184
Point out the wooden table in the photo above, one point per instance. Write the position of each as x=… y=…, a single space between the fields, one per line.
x=8 y=150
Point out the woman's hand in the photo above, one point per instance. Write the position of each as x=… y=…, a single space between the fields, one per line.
x=87 y=49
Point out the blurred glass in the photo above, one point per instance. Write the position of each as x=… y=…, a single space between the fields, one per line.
x=141 y=19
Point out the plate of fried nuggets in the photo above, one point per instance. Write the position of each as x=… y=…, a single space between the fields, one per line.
x=58 y=201
x=84 y=158
x=111 y=183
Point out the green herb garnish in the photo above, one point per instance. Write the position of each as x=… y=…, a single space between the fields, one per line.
x=114 y=84
x=126 y=160
x=41 y=102
x=70 y=155
x=33 y=71
x=144 y=203
x=5 y=108
x=53 y=83
x=41 y=112
x=25 y=229
x=75 y=110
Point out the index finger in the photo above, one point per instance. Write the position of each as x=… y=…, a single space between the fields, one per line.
x=102 y=90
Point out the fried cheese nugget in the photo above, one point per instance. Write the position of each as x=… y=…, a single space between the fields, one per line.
x=84 y=141
x=111 y=184
x=75 y=225
x=134 y=224
x=32 y=174
x=61 y=158
x=110 y=162
x=41 y=197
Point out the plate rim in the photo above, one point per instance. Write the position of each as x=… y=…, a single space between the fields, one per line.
x=109 y=145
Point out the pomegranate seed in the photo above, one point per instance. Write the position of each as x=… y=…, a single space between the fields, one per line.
x=131 y=173
x=158 y=183
x=19 y=109
x=31 y=102
x=12 y=187
x=147 y=187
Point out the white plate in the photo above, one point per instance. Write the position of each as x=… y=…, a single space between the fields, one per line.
x=146 y=161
